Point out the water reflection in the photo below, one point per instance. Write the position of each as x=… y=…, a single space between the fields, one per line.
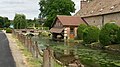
x=68 y=52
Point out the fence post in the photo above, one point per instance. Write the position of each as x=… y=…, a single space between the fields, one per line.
x=51 y=58
x=46 y=58
x=30 y=45
x=36 y=51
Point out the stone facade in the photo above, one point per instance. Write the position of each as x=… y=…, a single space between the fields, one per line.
x=75 y=29
x=100 y=12
x=100 y=20
x=115 y=17
x=67 y=32
x=95 y=20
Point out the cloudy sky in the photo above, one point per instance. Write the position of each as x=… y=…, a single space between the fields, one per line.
x=30 y=8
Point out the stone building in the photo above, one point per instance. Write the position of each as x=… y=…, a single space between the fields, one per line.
x=65 y=27
x=99 y=12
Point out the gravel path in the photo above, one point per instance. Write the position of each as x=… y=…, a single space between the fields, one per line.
x=6 y=58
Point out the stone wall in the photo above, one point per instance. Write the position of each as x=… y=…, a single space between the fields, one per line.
x=99 y=20
x=112 y=18
x=95 y=21
x=75 y=30
x=67 y=32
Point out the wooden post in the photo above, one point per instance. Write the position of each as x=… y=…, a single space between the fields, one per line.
x=30 y=45
x=27 y=43
x=46 y=58
x=32 y=49
x=51 y=58
x=36 y=51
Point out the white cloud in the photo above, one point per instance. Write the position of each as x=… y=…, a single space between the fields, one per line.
x=77 y=5
x=30 y=8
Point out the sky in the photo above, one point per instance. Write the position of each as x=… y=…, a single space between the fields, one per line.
x=8 y=8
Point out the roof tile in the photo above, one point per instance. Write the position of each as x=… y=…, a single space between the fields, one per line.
x=70 y=20
x=98 y=7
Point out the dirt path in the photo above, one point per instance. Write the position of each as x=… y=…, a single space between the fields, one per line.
x=17 y=55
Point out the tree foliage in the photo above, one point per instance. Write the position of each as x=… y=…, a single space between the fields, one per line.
x=4 y=22
x=91 y=34
x=109 y=34
x=50 y=8
x=20 y=21
x=33 y=23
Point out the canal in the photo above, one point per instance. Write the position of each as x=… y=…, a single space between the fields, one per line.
x=68 y=52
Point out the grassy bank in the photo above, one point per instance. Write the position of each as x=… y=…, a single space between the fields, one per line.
x=30 y=61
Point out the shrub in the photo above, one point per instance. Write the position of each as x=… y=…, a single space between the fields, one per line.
x=91 y=34
x=45 y=34
x=45 y=28
x=80 y=31
x=1 y=29
x=118 y=36
x=108 y=34
x=8 y=30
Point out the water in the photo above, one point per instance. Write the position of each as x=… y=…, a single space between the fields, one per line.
x=67 y=52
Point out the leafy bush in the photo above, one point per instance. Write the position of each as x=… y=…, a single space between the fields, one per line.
x=91 y=34
x=45 y=28
x=1 y=28
x=108 y=34
x=8 y=30
x=45 y=34
x=80 y=31
x=118 y=36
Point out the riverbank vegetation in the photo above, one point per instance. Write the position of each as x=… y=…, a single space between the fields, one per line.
x=98 y=47
x=29 y=59
x=107 y=35
x=106 y=42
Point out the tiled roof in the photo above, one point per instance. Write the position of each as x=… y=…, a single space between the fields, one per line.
x=70 y=20
x=99 y=7
x=56 y=30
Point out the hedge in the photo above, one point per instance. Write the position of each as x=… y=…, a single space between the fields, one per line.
x=108 y=34
x=91 y=34
x=80 y=31
x=118 y=36
x=8 y=30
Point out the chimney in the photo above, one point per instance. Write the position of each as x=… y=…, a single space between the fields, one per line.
x=83 y=3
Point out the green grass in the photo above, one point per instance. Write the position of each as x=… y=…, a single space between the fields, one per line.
x=31 y=62
x=57 y=65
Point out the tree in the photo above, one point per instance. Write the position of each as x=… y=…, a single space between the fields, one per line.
x=20 y=21
x=30 y=23
x=50 y=8
x=4 y=22
x=7 y=24
x=1 y=22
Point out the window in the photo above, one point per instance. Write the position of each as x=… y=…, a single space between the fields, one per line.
x=71 y=30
